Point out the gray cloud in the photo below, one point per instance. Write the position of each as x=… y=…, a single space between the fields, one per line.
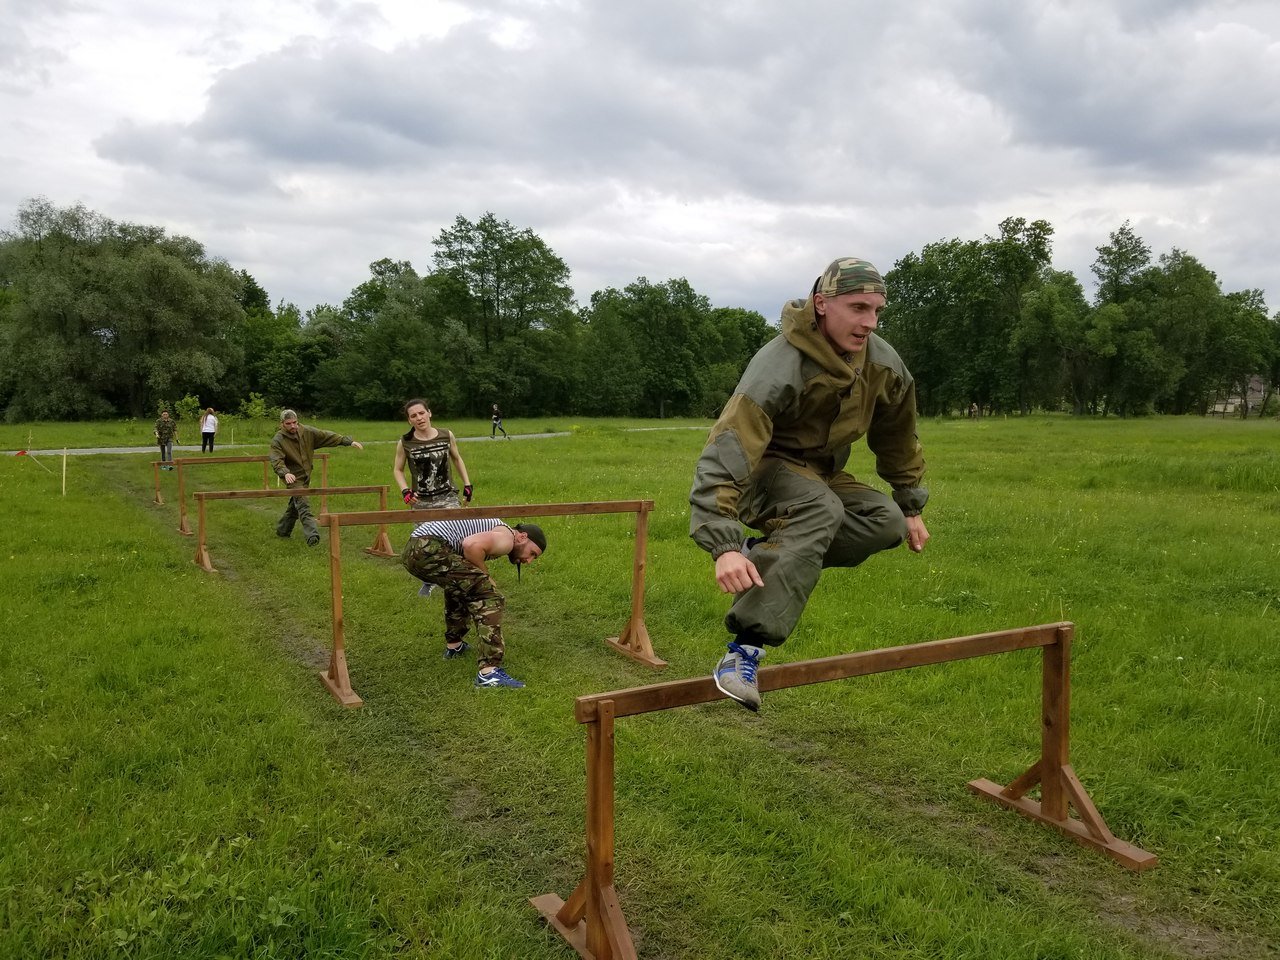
x=742 y=149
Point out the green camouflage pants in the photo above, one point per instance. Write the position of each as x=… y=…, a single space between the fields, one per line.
x=810 y=523
x=470 y=595
x=299 y=508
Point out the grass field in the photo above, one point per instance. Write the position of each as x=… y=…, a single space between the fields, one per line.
x=175 y=781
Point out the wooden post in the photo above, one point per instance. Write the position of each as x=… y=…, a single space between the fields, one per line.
x=1060 y=788
x=64 y=471
x=183 y=527
x=266 y=474
x=155 y=469
x=336 y=678
x=381 y=543
x=592 y=919
x=634 y=641
x=202 y=553
x=324 y=482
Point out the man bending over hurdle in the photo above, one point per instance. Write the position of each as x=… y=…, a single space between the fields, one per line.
x=452 y=554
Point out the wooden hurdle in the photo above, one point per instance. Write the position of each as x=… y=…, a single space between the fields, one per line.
x=591 y=919
x=381 y=544
x=633 y=641
x=184 y=528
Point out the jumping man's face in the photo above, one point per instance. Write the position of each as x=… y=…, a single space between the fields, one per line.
x=290 y=427
x=419 y=417
x=847 y=320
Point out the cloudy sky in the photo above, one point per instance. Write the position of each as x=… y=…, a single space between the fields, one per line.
x=741 y=144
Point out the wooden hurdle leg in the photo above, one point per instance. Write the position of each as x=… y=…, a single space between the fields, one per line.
x=336 y=678
x=381 y=543
x=202 y=553
x=591 y=919
x=155 y=469
x=634 y=641
x=184 y=528
x=1060 y=788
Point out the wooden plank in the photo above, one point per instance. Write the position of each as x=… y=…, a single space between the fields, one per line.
x=356 y=518
x=683 y=693
x=298 y=492
x=550 y=905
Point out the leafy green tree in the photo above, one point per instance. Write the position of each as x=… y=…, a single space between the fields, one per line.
x=105 y=317
x=514 y=280
x=1119 y=265
x=1243 y=346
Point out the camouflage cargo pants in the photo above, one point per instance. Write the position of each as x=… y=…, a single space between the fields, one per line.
x=810 y=523
x=299 y=509
x=470 y=595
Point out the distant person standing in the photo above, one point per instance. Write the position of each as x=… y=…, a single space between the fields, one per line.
x=496 y=420
x=427 y=451
x=208 y=429
x=166 y=432
x=291 y=450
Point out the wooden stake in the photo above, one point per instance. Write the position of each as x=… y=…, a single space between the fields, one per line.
x=335 y=678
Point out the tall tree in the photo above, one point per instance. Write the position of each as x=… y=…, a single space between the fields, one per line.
x=105 y=317
x=514 y=279
x=1120 y=262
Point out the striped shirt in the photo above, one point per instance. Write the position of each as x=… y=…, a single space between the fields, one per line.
x=453 y=532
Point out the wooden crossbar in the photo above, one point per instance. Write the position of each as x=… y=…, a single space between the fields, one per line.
x=591 y=920
x=381 y=544
x=632 y=642
x=182 y=463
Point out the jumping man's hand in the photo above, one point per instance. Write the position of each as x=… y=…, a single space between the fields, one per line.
x=917 y=535
x=735 y=573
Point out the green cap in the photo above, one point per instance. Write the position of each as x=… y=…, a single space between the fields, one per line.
x=849 y=275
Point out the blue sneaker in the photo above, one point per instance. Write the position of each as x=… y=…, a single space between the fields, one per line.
x=735 y=674
x=453 y=653
x=498 y=678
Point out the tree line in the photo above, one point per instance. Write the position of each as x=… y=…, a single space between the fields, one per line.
x=991 y=323
x=102 y=319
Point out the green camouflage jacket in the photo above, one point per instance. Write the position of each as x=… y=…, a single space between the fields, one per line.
x=801 y=402
x=166 y=430
x=290 y=454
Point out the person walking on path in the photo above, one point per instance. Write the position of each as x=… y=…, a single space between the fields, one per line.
x=291 y=455
x=427 y=451
x=166 y=432
x=775 y=461
x=496 y=424
x=452 y=554
x=208 y=429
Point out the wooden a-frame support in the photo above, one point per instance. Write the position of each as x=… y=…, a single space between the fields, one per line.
x=381 y=544
x=632 y=642
x=591 y=920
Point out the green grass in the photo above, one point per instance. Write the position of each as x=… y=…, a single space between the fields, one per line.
x=174 y=780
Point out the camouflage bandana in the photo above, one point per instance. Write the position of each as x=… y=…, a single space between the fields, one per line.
x=849 y=275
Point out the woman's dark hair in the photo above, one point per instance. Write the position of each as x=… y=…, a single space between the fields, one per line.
x=413 y=403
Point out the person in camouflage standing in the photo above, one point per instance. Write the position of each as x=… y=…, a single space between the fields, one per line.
x=166 y=432
x=452 y=554
x=291 y=450
x=775 y=461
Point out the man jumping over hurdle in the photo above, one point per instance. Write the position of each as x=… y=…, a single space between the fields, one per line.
x=775 y=461
x=452 y=554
